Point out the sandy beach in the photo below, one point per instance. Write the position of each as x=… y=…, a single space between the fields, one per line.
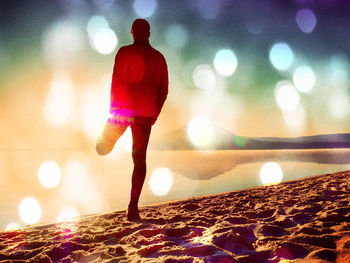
x=305 y=220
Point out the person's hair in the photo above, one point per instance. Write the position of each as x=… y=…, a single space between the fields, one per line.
x=140 y=28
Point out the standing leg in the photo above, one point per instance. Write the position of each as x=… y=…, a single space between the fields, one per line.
x=140 y=136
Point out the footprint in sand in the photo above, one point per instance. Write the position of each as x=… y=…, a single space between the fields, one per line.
x=324 y=241
x=269 y=231
x=323 y=254
x=289 y=250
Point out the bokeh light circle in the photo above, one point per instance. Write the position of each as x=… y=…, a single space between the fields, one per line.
x=93 y=107
x=339 y=105
x=208 y=9
x=12 y=226
x=105 y=41
x=49 y=174
x=200 y=131
x=60 y=100
x=339 y=71
x=281 y=56
x=225 y=62
x=304 y=79
x=96 y=23
x=62 y=42
x=256 y=24
x=295 y=119
x=176 y=36
x=145 y=8
x=78 y=186
x=161 y=181
x=306 y=20
x=286 y=95
x=271 y=173
x=29 y=210
x=204 y=77
x=67 y=214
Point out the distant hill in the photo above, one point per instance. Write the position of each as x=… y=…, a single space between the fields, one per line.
x=222 y=139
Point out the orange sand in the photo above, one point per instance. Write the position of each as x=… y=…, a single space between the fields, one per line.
x=305 y=220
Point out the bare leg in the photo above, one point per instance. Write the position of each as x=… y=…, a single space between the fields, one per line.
x=109 y=136
x=140 y=135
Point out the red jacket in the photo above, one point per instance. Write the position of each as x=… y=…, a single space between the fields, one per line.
x=139 y=82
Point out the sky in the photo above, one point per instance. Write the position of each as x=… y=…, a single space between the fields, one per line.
x=254 y=68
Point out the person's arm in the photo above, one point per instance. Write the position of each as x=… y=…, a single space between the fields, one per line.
x=162 y=90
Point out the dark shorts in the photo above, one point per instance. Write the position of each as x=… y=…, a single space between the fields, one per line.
x=117 y=119
x=115 y=128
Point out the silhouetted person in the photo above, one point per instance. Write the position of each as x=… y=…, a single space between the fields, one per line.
x=139 y=89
